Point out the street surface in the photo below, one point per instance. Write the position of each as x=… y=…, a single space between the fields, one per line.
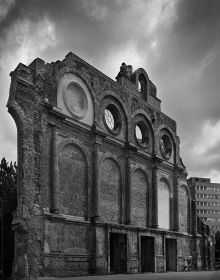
x=191 y=275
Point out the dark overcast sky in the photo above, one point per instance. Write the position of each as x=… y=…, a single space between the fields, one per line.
x=176 y=41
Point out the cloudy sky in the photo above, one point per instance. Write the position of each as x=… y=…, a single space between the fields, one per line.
x=176 y=41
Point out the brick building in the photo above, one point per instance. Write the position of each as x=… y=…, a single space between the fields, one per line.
x=207 y=196
x=101 y=185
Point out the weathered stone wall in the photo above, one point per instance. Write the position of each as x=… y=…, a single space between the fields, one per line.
x=160 y=257
x=79 y=180
x=185 y=251
x=67 y=247
x=133 y=257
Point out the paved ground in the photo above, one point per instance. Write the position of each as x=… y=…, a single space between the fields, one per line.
x=191 y=275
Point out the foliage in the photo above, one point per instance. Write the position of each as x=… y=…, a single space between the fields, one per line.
x=8 y=191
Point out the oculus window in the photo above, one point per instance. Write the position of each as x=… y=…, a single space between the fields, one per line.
x=142 y=133
x=74 y=99
x=112 y=119
x=165 y=146
x=109 y=119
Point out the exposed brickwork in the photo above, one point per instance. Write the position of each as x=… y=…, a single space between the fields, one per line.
x=110 y=189
x=82 y=188
x=139 y=201
x=73 y=182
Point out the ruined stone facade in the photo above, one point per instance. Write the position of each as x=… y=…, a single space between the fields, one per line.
x=101 y=185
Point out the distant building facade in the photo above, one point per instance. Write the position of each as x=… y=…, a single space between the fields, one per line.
x=101 y=185
x=207 y=197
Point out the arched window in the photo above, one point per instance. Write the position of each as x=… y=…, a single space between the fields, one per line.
x=142 y=85
x=163 y=205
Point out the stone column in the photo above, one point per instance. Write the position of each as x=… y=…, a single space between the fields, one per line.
x=95 y=216
x=95 y=185
x=128 y=191
x=154 y=198
x=54 y=171
x=176 y=203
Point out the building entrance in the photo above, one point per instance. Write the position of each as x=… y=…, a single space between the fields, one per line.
x=118 y=253
x=147 y=254
x=171 y=255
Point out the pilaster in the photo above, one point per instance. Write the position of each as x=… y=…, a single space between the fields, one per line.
x=95 y=178
x=128 y=191
x=54 y=171
x=176 y=201
x=154 y=198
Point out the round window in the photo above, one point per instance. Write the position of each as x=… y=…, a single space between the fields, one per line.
x=142 y=133
x=112 y=118
x=165 y=146
x=110 y=121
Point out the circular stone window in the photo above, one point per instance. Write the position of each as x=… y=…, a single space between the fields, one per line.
x=142 y=134
x=76 y=100
x=112 y=118
x=165 y=146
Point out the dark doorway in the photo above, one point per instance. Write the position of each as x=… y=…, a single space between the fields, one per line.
x=118 y=253
x=147 y=254
x=171 y=255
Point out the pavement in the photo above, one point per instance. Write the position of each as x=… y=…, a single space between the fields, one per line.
x=189 y=275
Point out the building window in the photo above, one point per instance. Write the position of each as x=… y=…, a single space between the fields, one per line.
x=139 y=86
x=142 y=84
x=112 y=119
x=165 y=146
x=142 y=133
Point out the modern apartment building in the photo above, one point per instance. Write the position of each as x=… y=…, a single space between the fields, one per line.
x=207 y=196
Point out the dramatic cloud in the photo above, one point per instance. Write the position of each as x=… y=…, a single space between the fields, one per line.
x=5 y=6
x=176 y=41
